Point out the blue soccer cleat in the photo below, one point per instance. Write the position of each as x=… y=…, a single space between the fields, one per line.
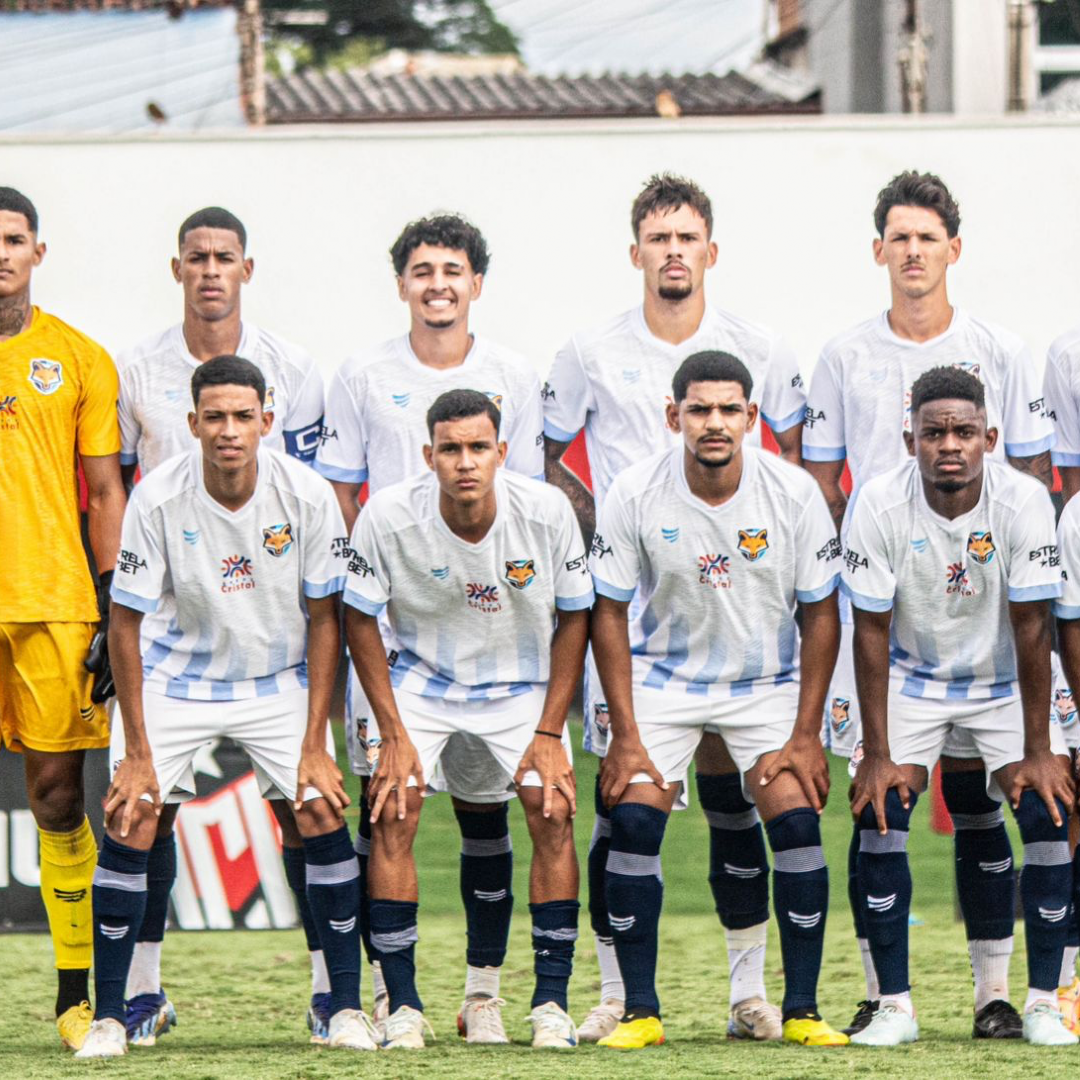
x=146 y=1016
x=318 y=1019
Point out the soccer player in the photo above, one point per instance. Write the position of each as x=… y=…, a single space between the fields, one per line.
x=950 y=563
x=858 y=410
x=225 y=624
x=375 y=433
x=57 y=403
x=483 y=576
x=722 y=542
x=212 y=266
x=614 y=381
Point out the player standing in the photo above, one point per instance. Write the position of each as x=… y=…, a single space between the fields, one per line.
x=483 y=576
x=225 y=624
x=57 y=403
x=857 y=412
x=722 y=542
x=212 y=266
x=614 y=381
x=950 y=564
x=375 y=433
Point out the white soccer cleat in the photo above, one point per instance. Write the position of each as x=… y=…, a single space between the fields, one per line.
x=602 y=1021
x=891 y=1026
x=350 y=1029
x=404 y=1029
x=480 y=1021
x=1043 y=1026
x=106 y=1039
x=755 y=1018
x=552 y=1027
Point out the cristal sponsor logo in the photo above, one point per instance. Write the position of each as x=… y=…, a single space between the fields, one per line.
x=440 y=573
x=9 y=420
x=854 y=561
x=1064 y=708
x=7 y=405
x=238 y=573
x=599 y=548
x=811 y=417
x=743 y=872
x=670 y=533
x=840 y=714
x=957 y=580
x=753 y=543
x=832 y=550
x=343 y=926
x=129 y=562
x=998 y=867
x=621 y=923
x=714 y=571
x=46 y=376
x=483 y=598
x=1045 y=556
x=401 y=400
x=807 y=922
x=192 y=536
x=520 y=573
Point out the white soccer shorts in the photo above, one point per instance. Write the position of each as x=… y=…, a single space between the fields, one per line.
x=1062 y=708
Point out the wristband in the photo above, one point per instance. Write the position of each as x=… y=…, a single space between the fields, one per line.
x=549 y=734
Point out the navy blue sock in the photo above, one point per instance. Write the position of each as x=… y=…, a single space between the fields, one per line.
x=296 y=875
x=1045 y=888
x=554 y=931
x=119 y=899
x=1073 y=937
x=738 y=867
x=885 y=891
x=801 y=899
x=363 y=853
x=487 y=872
x=160 y=876
x=853 y=893
x=394 y=937
x=985 y=878
x=635 y=894
x=333 y=889
x=596 y=867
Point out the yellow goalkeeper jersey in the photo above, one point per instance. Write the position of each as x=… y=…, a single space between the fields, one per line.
x=58 y=394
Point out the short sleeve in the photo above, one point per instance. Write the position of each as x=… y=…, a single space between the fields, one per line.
x=367 y=586
x=823 y=424
x=567 y=395
x=1028 y=428
x=817 y=568
x=130 y=428
x=1067 y=606
x=868 y=578
x=96 y=425
x=1034 y=565
x=615 y=556
x=342 y=453
x=573 y=585
x=783 y=397
x=302 y=428
x=325 y=546
x=140 y=570
x=525 y=442
x=1061 y=404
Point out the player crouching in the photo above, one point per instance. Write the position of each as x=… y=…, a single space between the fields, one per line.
x=224 y=624
x=484 y=580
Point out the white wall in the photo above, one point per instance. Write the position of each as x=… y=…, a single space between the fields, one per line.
x=793 y=203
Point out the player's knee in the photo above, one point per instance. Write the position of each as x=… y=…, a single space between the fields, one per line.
x=637 y=828
x=142 y=826
x=286 y=819
x=1035 y=823
x=965 y=795
x=554 y=832
x=56 y=799
x=393 y=836
x=723 y=795
x=897 y=818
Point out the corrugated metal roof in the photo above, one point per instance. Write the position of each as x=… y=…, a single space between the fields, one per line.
x=173 y=7
x=357 y=96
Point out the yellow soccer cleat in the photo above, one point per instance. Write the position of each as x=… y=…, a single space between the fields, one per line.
x=813 y=1031
x=74 y=1025
x=1069 y=1003
x=635 y=1034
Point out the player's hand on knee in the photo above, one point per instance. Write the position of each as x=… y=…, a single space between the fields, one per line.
x=134 y=777
x=804 y=758
x=398 y=761
x=547 y=757
x=624 y=760
x=873 y=779
x=319 y=770
x=1048 y=776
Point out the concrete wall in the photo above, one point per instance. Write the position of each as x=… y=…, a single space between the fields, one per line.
x=793 y=204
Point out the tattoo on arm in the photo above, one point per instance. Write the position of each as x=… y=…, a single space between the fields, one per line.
x=579 y=495
x=1038 y=466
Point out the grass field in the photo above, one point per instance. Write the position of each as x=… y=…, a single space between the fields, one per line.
x=241 y=996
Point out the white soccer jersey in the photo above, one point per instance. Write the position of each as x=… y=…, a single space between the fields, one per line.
x=376 y=411
x=1068 y=538
x=859 y=403
x=614 y=382
x=469 y=621
x=223 y=591
x=155 y=395
x=949 y=583
x=718 y=584
x=1061 y=384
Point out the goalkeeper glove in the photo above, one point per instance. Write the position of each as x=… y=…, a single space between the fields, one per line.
x=97 y=656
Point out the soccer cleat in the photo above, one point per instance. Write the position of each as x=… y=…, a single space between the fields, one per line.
x=998 y=1020
x=318 y=1018
x=1069 y=1004
x=350 y=1029
x=74 y=1025
x=403 y=1029
x=1045 y=1026
x=146 y=1016
x=890 y=1026
x=480 y=1021
x=863 y=1015
x=552 y=1027
x=106 y=1039
x=755 y=1018
x=812 y=1031
x=635 y=1034
x=601 y=1021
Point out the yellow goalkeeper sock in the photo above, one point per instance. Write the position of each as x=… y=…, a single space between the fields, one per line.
x=67 y=874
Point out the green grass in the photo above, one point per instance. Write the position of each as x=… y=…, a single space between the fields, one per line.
x=241 y=996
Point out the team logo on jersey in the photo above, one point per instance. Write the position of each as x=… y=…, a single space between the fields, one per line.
x=268 y=401
x=714 y=571
x=980 y=547
x=957 y=580
x=47 y=376
x=278 y=539
x=495 y=399
x=601 y=717
x=670 y=535
x=970 y=366
x=440 y=573
x=840 y=714
x=238 y=573
x=520 y=572
x=483 y=597
x=753 y=543
x=1064 y=708
x=401 y=400
x=857 y=754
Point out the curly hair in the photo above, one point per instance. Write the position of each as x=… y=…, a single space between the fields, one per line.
x=947 y=384
x=441 y=230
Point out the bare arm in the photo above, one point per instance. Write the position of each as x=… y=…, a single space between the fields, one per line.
x=555 y=472
x=127 y=475
x=1038 y=466
x=348 y=496
x=1070 y=481
x=106 y=500
x=828 y=474
x=790 y=443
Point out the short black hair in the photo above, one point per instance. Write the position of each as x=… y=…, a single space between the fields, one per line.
x=710 y=366
x=214 y=217
x=918 y=189
x=227 y=371
x=441 y=230
x=947 y=384
x=17 y=203
x=460 y=405
x=665 y=192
